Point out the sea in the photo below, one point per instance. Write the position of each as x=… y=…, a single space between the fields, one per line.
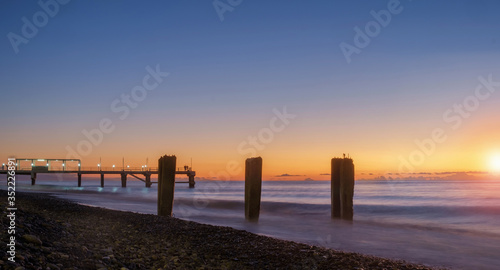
x=443 y=223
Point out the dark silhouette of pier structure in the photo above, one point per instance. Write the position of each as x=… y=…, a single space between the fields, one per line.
x=342 y=180
x=36 y=166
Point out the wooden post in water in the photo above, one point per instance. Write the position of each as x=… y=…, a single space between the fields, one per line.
x=33 y=178
x=335 y=186
x=124 y=180
x=102 y=180
x=347 y=189
x=79 y=180
x=342 y=187
x=191 y=179
x=253 y=187
x=148 y=180
x=166 y=185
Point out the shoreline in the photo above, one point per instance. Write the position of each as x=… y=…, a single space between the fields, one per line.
x=74 y=236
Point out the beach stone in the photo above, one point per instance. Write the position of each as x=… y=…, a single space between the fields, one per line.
x=47 y=225
x=32 y=239
x=52 y=256
x=107 y=250
x=53 y=266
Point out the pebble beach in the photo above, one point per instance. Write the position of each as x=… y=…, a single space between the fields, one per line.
x=53 y=233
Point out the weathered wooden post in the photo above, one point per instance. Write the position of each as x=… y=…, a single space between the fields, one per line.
x=33 y=178
x=253 y=187
x=124 y=180
x=79 y=179
x=342 y=187
x=102 y=180
x=347 y=189
x=191 y=179
x=166 y=184
x=335 y=186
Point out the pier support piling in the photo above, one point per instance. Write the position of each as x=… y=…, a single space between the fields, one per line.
x=342 y=188
x=124 y=180
x=166 y=184
x=102 y=180
x=148 y=180
x=253 y=187
x=191 y=180
x=79 y=180
x=33 y=178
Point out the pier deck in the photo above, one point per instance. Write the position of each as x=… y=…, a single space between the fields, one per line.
x=136 y=173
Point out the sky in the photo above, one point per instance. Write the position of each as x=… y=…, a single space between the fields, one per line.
x=399 y=86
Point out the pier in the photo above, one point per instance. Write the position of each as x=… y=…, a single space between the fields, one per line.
x=73 y=166
x=342 y=180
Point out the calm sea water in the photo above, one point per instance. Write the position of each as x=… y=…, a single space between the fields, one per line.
x=440 y=223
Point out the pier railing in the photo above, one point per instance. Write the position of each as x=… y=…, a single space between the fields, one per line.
x=142 y=173
x=96 y=168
